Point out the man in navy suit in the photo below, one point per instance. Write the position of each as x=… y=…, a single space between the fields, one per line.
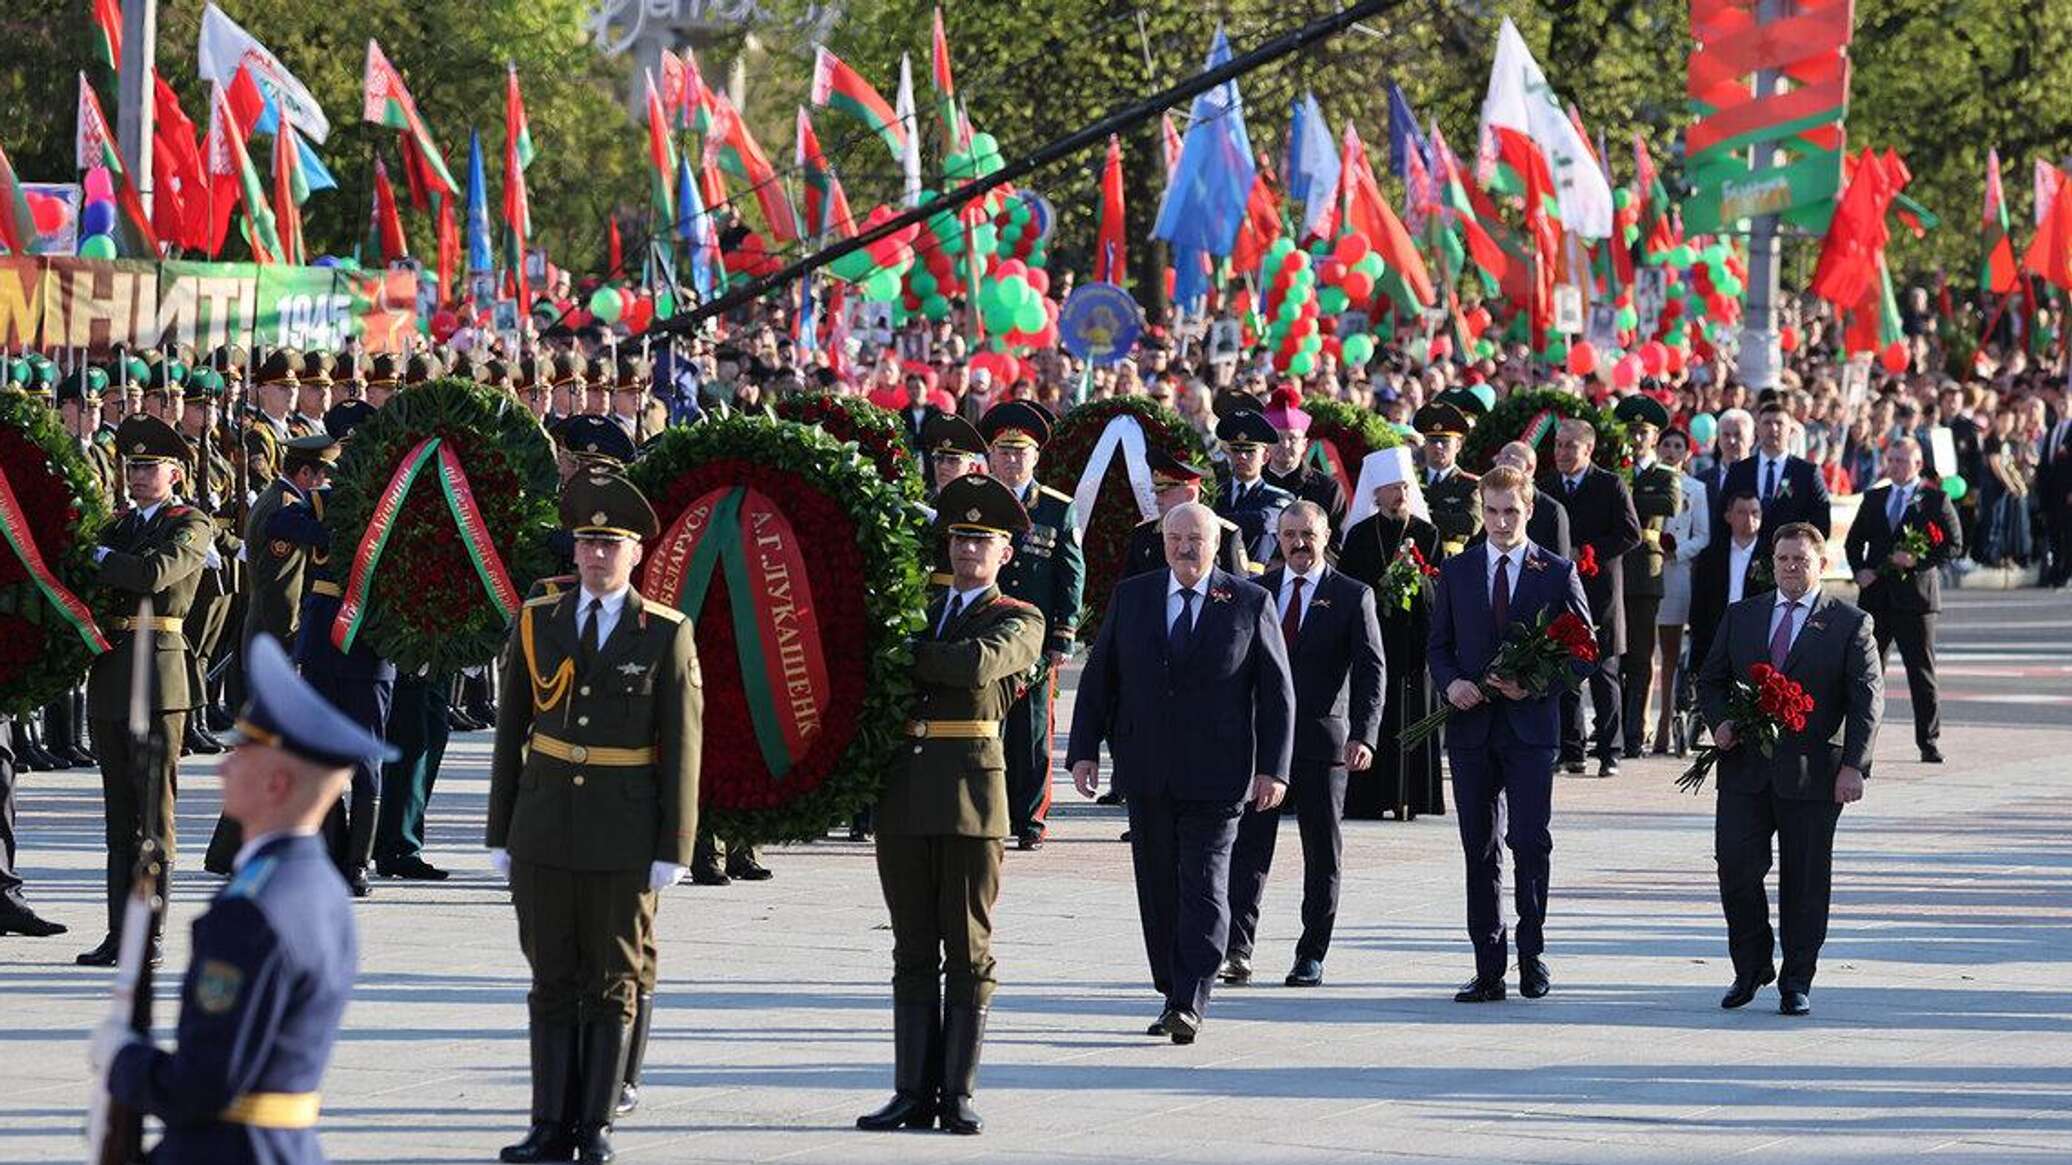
x=1334 y=651
x=1188 y=683
x=1501 y=740
x=1789 y=487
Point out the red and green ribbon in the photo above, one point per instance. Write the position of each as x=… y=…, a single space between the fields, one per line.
x=1537 y=429
x=14 y=525
x=1323 y=454
x=474 y=532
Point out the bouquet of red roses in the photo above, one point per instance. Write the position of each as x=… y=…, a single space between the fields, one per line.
x=1918 y=541
x=1586 y=562
x=1407 y=576
x=1760 y=707
x=1535 y=658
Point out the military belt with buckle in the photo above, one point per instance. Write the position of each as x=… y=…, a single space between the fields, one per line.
x=953 y=729
x=274 y=1110
x=591 y=754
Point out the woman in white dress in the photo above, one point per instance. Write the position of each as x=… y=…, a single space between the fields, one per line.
x=1683 y=536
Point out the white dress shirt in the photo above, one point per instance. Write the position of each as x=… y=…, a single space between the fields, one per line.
x=1172 y=612
x=607 y=613
x=1901 y=496
x=961 y=602
x=1516 y=557
x=1798 y=617
x=1309 y=590
x=1737 y=566
x=1763 y=462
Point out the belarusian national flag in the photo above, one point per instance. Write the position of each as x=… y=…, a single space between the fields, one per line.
x=1111 y=264
x=260 y=229
x=1365 y=210
x=827 y=208
x=1996 y=271
x=661 y=157
x=518 y=154
x=17 y=224
x=290 y=191
x=1519 y=99
x=1460 y=207
x=953 y=127
x=735 y=149
x=107 y=16
x=836 y=85
x=94 y=145
x=388 y=102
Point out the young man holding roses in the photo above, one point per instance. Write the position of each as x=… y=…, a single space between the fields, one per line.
x=1903 y=533
x=1797 y=789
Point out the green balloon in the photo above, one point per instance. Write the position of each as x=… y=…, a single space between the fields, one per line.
x=101 y=247
x=985 y=238
x=665 y=304
x=1031 y=317
x=604 y=304
x=881 y=287
x=1357 y=350
x=920 y=282
x=983 y=144
x=1956 y=487
x=1332 y=300
x=1303 y=363
x=935 y=307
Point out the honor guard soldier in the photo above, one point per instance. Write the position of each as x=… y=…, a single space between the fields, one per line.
x=384 y=376
x=272 y=420
x=1250 y=500
x=1286 y=463
x=1657 y=496
x=943 y=813
x=313 y=392
x=79 y=403
x=212 y=489
x=565 y=384
x=1449 y=490
x=593 y=807
x=421 y=368
x=273 y=957
x=1175 y=482
x=1047 y=570
x=953 y=449
x=348 y=379
x=159 y=547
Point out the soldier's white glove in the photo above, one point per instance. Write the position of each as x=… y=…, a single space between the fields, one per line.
x=100 y=552
x=110 y=1037
x=212 y=560
x=662 y=875
x=500 y=861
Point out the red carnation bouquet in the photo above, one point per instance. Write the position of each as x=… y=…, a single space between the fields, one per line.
x=1761 y=707
x=1919 y=541
x=1533 y=657
x=1406 y=578
x=1586 y=562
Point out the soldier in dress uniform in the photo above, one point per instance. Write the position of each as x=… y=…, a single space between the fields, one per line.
x=593 y=807
x=565 y=382
x=273 y=957
x=943 y=813
x=1449 y=490
x=348 y=379
x=79 y=404
x=1286 y=464
x=954 y=449
x=1047 y=570
x=1175 y=482
x=421 y=368
x=1248 y=499
x=313 y=392
x=271 y=421
x=384 y=376
x=1657 y=496
x=629 y=401
x=159 y=547
x=213 y=490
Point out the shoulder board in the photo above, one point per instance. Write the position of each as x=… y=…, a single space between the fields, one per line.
x=1227 y=523
x=1010 y=603
x=176 y=510
x=1285 y=494
x=662 y=611
x=1464 y=475
x=251 y=878
x=543 y=601
x=1046 y=491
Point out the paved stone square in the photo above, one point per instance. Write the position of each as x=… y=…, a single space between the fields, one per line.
x=1942 y=1024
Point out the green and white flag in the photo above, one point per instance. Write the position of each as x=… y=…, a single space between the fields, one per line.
x=1520 y=99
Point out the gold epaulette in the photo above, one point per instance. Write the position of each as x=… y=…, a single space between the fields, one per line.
x=662 y=611
x=543 y=601
x=1059 y=494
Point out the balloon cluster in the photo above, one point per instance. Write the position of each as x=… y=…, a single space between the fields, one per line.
x=751 y=258
x=1013 y=302
x=880 y=266
x=1022 y=226
x=97 y=218
x=1292 y=332
x=1348 y=271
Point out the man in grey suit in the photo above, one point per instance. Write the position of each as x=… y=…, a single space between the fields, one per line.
x=1797 y=792
x=1189 y=685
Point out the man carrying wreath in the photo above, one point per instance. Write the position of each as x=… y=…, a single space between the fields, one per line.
x=1796 y=791
x=1502 y=739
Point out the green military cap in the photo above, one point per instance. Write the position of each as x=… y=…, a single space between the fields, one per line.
x=166 y=375
x=281 y=366
x=203 y=384
x=145 y=438
x=1246 y=429
x=1642 y=410
x=1470 y=405
x=228 y=359
x=82 y=383
x=316 y=367
x=978 y=503
x=1441 y=420
x=949 y=433
x=598 y=503
x=315 y=449
x=1015 y=422
x=421 y=368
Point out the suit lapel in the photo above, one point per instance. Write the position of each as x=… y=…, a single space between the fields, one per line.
x=1816 y=621
x=1207 y=613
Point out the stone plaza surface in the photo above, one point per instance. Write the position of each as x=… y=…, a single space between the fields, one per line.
x=1941 y=1027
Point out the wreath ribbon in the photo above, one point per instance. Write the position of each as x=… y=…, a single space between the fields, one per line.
x=474 y=535
x=1538 y=427
x=14 y=525
x=1124 y=434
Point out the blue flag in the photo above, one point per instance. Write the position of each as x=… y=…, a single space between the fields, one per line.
x=694 y=226
x=1313 y=164
x=314 y=172
x=1404 y=135
x=480 y=257
x=1204 y=202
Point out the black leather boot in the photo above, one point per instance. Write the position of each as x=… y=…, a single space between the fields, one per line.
x=636 y=1054
x=916 y=1034
x=964 y=1033
x=597 y=1091
x=58 y=734
x=551 y=1137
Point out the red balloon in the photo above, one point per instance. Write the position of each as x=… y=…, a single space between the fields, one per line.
x=1582 y=358
x=1294 y=261
x=1788 y=338
x=1676 y=361
x=1626 y=373
x=1351 y=248
x=47 y=212
x=641 y=315
x=1011 y=268
x=1654 y=357
x=1358 y=286
x=1332 y=346
x=444 y=322
x=1040 y=280
x=1894 y=358
x=1442 y=347
x=1331 y=273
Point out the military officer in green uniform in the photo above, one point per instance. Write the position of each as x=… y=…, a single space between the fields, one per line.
x=1248 y=499
x=158 y=547
x=1657 y=495
x=1449 y=490
x=79 y=404
x=1048 y=570
x=212 y=488
x=943 y=813
x=593 y=806
x=954 y=448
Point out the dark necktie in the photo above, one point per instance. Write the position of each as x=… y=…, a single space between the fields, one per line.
x=1897 y=510
x=1780 y=640
x=587 y=652
x=949 y=615
x=1769 y=482
x=1183 y=627
x=1291 y=619
x=1572 y=485
x=1500 y=594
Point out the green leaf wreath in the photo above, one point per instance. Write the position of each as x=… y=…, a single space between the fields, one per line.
x=1115 y=514
x=1351 y=431
x=865 y=576
x=427 y=606
x=41 y=656
x=1507 y=422
x=876 y=432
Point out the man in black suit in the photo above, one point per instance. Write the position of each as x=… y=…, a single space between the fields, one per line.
x=1188 y=684
x=1334 y=650
x=1733 y=436
x=1602 y=522
x=1790 y=487
x=1796 y=789
x=1548 y=525
x=1727 y=571
x=1902 y=593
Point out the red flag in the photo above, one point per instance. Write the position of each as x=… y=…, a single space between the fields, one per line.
x=518 y=155
x=107 y=18
x=2050 y=252
x=180 y=201
x=1110 y=261
x=449 y=250
x=1522 y=155
x=615 y=264
x=1262 y=221
x=388 y=224
x=1364 y=209
x=1856 y=238
x=287 y=211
